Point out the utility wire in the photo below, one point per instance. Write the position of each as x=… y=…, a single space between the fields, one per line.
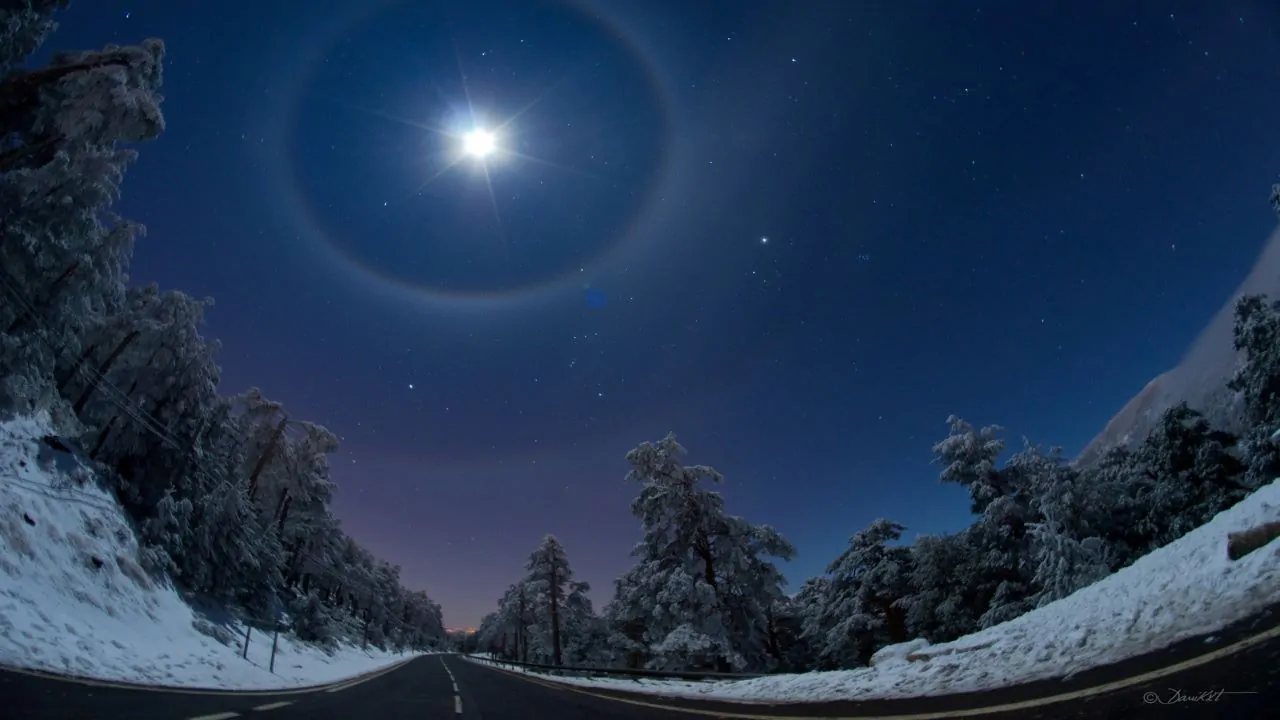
x=152 y=425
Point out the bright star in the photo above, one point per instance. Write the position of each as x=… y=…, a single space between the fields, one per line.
x=479 y=143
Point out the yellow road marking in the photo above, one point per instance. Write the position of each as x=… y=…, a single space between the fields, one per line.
x=942 y=715
x=366 y=678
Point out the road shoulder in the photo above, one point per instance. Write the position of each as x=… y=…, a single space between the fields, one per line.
x=185 y=690
x=1180 y=659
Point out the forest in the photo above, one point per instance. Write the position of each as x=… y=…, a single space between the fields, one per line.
x=230 y=494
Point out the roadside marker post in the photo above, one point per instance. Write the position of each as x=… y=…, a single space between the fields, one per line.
x=275 y=639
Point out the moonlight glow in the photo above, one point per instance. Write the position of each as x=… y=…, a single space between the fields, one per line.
x=479 y=143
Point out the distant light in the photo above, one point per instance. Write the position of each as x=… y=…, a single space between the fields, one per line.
x=479 y=143
x=764 y=241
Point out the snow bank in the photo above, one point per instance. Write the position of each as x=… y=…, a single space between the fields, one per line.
x=1185 y=589
x=74 y=600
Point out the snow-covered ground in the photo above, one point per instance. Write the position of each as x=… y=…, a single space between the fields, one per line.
x=74 y=600
x=1185 y=589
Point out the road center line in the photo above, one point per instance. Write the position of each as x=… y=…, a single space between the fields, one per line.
x=216 y=716
x=274 y=705
x=457 y=696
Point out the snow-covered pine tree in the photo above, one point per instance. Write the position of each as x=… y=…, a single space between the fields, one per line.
x=1001 y=561
x=968 y=458
x=295 y=491
x=550 y=573
x=351 y=578
x=860 y=611
x=1192 y=474
x=142 y=387
x=1002 y=500
x=584 y=632
x=1257 y=380
x=511 y=628
x=65 y=257
x=24 y=25
x=1064 y=563
x=703 y=587
x=674 y=586
x=1068 y=551
x=627 y=614
x=1117 y=492
x=423 y=621
x=752 y=587
x=796 y=621
x=168 y=373
x=384 y=605
x=943 y=602
x=489 y=635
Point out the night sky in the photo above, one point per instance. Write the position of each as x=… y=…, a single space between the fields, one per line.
x=799 y=234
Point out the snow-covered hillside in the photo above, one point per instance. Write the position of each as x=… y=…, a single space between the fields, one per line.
x=74 y=600
x=1200 y=378
x=1185 y=589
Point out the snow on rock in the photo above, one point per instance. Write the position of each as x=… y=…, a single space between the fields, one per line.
x=894 y=654
x=1185 y=589
x=74 y=600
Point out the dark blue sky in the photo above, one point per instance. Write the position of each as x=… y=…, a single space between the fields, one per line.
x=1014 y=211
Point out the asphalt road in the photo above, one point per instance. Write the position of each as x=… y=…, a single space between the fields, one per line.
x=1240 y=686
x=422 y=689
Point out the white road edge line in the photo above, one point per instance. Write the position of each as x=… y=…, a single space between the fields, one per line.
x=457 y=704
x=274 y=705
x=216 y=716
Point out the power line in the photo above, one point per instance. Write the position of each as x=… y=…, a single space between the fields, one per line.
x=90 y=373
x=152 y=425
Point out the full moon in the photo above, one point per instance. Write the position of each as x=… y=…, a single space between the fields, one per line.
x=479 y=143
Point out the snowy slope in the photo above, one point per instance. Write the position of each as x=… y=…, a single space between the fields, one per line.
x=1185 y=589
x=1200 y=378
x=73 y=599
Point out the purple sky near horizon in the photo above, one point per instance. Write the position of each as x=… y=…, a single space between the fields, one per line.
x=1016 y=212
